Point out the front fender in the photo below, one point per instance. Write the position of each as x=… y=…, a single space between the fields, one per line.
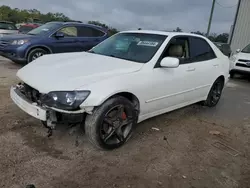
x=97 y=100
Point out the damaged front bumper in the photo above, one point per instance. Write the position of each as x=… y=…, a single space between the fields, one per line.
x=27 y=106
x=46 y=114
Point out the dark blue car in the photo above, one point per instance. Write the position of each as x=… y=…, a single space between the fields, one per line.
x=52 y=37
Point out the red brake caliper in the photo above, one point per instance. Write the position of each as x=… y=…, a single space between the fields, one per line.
x=124 y=116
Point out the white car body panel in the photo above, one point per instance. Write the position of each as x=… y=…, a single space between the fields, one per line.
x=71 y=71
x=158 y=90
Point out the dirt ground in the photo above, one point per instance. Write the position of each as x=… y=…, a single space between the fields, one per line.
x=194 y=147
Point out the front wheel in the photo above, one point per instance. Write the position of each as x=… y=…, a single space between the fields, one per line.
x=215 y=93
x=36 y=53
x=111 y=124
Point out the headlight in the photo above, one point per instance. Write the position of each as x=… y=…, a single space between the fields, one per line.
x=19 y=42
x=66 y=100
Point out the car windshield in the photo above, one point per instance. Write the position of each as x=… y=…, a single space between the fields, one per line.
x=7 y=26
x=246 y=49
x=46 y=28
x=138 y=47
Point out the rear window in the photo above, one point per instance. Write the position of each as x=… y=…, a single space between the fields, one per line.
x=89 y=32
x=7 y=26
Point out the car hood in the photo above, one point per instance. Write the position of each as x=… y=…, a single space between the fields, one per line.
x=245 y=56
x=17 y=37
x=71 y=71
x=8 y=32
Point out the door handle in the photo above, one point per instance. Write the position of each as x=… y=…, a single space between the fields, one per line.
x=216 y=65
x=190 y=69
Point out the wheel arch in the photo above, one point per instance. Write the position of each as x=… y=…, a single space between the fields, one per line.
x=128 y=95
x=222 y=77
x=44 y=47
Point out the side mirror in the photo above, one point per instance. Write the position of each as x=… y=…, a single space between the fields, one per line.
x=238 y=51
x=59 y=35
x=170 y=62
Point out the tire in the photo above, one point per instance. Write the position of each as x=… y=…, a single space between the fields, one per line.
x=105 y=131
x=214 y=94
x=232 y=74
x=36 y=53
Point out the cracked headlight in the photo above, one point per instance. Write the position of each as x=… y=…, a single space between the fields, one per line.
x=19 y=42
x=66 y=100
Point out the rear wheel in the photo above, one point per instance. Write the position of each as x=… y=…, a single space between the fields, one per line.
x=36 y=53
x=111 y=124
x=215 y=93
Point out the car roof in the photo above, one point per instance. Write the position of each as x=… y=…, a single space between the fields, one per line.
x=80 y=23
x=163 y=33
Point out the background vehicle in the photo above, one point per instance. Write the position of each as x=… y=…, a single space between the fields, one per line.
x=7 y=28
x=128 y=78
x=224 y=48
x=52 y=37
x=27 y=28
x=240 y=62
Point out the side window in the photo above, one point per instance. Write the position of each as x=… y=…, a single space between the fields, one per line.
x=200 y=50
x=89 y=32
x=69 y=31
x=178 y=47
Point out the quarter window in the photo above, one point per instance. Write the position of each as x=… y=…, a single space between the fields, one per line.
x=200 y=50
x=89 y=32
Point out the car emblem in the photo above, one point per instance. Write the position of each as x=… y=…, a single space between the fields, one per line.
x=248 y=63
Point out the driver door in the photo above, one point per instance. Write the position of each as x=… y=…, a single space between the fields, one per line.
x=172 y=87
x=67 y=43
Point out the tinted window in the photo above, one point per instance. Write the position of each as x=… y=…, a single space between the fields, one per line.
x=89 y=32
x=70 y=31
x=138 y=47
x=200 y=50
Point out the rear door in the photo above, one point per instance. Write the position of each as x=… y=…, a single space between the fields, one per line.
x=204 y=63
x=68 y=43
x=89 y=37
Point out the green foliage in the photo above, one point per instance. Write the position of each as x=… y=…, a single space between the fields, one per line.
x=33 y=15
x=177 y=30
x=223 y=38
x=17 y=15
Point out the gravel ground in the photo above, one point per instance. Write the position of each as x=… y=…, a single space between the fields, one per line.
x=194 y=147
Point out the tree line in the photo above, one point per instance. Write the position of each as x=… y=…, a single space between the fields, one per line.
x=223 y=37
x=33 y=15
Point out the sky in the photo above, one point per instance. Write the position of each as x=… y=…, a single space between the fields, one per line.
x=189 y=15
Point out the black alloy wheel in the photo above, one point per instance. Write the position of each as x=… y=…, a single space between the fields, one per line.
x=111 y=124
x=215 y=93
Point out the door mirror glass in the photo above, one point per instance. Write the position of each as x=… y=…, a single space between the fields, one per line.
x=238 y=51
x=59 y=35
x=170 y=62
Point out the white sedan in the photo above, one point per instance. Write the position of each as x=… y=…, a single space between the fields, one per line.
x=128 y=78
x=240 y=62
